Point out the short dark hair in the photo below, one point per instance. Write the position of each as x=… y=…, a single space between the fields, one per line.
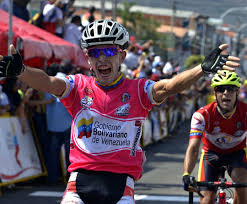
x=66 y=66
x=76 y=19
x=52 y=69
x=91 y=9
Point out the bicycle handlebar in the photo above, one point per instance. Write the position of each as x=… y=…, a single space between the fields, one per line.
x=221 y=184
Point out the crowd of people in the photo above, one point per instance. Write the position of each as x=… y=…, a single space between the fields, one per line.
x=55 y=16
x=51 y=120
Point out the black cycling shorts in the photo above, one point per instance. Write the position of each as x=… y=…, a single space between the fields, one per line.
x=210 y=163
x=92 y=187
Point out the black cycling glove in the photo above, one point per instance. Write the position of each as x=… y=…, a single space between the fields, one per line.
x=214 y=61
x=188 y=181
x=11 y=66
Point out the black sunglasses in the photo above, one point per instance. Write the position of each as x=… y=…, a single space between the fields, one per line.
x=229 y=88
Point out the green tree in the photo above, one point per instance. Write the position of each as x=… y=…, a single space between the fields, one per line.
x=139 y=25
x=193 y=60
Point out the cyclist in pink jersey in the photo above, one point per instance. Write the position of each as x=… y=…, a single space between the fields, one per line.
x=222 y=127
x=108 y=111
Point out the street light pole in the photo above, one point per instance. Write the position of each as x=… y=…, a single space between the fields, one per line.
x=222 y=16
x=102 y=9
x=10 y=32
x=238 y=39
x=172 y=43
x=114 y=9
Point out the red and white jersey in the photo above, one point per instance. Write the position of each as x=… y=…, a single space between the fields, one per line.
x=107 y=123
x=218 y=133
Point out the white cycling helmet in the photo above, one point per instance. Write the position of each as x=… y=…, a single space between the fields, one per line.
x=105 y=32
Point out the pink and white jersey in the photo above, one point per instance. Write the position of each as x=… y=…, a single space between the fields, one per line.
x=107 y=123
x=218 y=133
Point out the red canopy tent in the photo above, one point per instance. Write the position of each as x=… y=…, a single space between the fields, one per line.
x=36 y=44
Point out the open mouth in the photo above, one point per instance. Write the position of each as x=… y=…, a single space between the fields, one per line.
x=104 y=71
x=226 y=101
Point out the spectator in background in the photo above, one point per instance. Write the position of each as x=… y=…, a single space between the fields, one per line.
x=5 y=5
x=150 y=59
x=4 y=102
x=141 y=69
x=37 y=108
x=203 y=89
x=53 y=69
x=69 y=9
x=168 y=68
x=243 y=92
x=157 y=66
x=17 y=101
x=53 y=17
x=19 y=8
x=131 y=60
x=89 y=16
x=58 y=125
x=72 y=32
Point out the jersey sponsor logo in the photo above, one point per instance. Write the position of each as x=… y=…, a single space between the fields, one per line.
x=148 y=83
x=123 y=110
x=97 y=134
x=86 y=102
x=108 y=130
x=238 y=133
x=136 y=139
x=125 y=97
x=85 y=127
x=226 y=139
x=109 y=134
x=216 y=130
x=88 y=91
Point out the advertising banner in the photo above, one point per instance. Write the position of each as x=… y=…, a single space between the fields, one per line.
x=19 y=158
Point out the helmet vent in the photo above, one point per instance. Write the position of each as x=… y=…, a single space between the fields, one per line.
x=229 y=76
x=99 y=29
x=85 y=34
x=109 y=23
x=220 y=77
x=120 y=37
x=90 y=26
x=115 y=32
x=100 y=21
x=107 y=31
x=92 y=32
x=234 y=79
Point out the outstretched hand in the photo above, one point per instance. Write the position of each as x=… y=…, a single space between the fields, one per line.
x=218 y=60
x=11 y=66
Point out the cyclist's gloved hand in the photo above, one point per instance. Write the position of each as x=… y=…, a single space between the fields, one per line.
x=11 y=66
x=214 y=61
x=187 y=181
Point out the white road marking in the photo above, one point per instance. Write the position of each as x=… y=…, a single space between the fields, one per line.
x=137 y=197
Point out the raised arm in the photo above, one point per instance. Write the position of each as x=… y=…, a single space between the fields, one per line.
x=11 y=66
x=212 y=64
x=39 y=80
